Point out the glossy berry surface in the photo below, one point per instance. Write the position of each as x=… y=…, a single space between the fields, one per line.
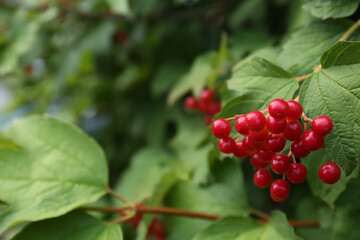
x=322 y=125
x=240 y=125
x=276 y=142
x=255 y=121
x=278 y=108
x=265 y=154
x=275 y=125
x=260 y=135
x=298 y=149
x=295 y=110
x=191 y=103
x=312 y=141
x=329 y=173
x=221 y=128
x=262 y=178
x=280 y=190
x=280 y=163
x=258 y=162
x=296 y=173
x=293 y=130
x=207 y=95
x=226 y=145
x=240 y=150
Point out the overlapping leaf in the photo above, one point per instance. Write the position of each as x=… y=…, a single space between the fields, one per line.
x=331 y=8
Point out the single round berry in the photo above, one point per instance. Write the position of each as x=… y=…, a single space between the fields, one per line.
x=203 y=107
x=259 y=136
x=221 y=128
x=280 y=163
x=262 y=178
x=226 y=145
x=329 y=173
x=275 y=125
x=298 y=149
x=240 y=150
x=278 y=108
x=214 y=108
x=296 y=173
x=207 y=95
x=293 y=130
x=257 y=161
x=312 y=141
x=240 y=125
x=265 y=154
x=276 y=142
x=295 y=110
x=250 y=144
x=191 y=103
x=322 y=125
x=280 y=190
x=255 y=121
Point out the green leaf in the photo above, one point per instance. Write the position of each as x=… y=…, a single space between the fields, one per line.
x=248 y=229
x=302 y=52
x=119 y=6
x=58 y=168
x=226 y=197
x=72 y=226
x=334 y=92
x=342 y=53
x=346 y=225
x=331 y=8
x=259 y=82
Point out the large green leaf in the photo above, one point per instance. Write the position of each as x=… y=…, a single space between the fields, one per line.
x=334 y=92
x=331 y=8
x=346 y=225
x=302 y=52
x=233 y=228
x=259 y=82
x=72 y=226
x=56 y=169
x=342 y=53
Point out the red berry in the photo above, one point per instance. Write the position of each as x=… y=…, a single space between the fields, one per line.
x=262 y=178
x=312 y=141
x=293 y=130
x=259 y=136
x=226 y=145
x=322 y=125
x=276 y=142
x=257 y=161
x=203 y=107
x=240 y=125
x=295 y=110
x=255 y=121
x=278 y=108
x=214 y=108
x=296 y=173
x=159 y=237
x=250 y=145
x=298 y=149
x=207 y=95
x=208 y=119
x=276 y=125
x=156 y=227
x=279 y=190
x=240 y=150
x=265 y=154
x=191 y=102
x=221 y=128
x=280 y=163
x=329 y=173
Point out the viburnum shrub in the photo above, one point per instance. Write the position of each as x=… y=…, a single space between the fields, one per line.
x=264 y=137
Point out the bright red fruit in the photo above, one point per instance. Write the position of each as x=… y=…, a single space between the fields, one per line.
x=280 y=163
x=275 y=125
x=191 y=103
x=207 y=95
x=278 y=108
x=221 y=128
x=293 y=130
x=258 y=162
x=214 y=108
x=322 y=125
x=250 y=144
x=226 y=145
x=312 y=141
x=208 y=119
x=255 y=121
x=203 y=107
x=260 y=135
x=262 y=178
x=280 y=190
x=329 y=173
x=240 y=125
x=240 y=150
x=298 y=149
x=295 y=110
x=296 y=173
x=276 y=142
x=265 y=154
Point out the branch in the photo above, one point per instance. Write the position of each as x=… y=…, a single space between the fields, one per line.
x=350 y=31
x=114 y=194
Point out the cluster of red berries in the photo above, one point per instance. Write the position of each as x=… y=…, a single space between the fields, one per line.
x=265 y=136
x=206 y=105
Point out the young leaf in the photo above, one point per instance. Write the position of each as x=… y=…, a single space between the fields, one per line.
x=342 y=53
x=72 y=226
x=57 y=169
x=331 y=8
